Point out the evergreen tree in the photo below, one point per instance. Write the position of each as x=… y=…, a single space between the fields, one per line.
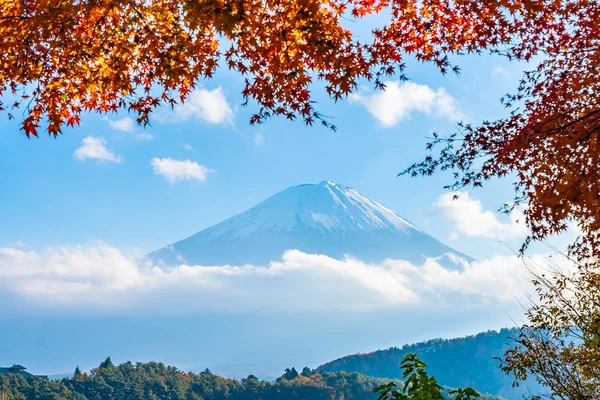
x=106 y=364
x=290 y=374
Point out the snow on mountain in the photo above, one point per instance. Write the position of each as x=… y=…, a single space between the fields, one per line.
x=326 y=218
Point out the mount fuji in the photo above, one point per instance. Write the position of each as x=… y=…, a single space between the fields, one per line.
x=326 y=218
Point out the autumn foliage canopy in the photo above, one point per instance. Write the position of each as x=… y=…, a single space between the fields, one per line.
x=60 y=58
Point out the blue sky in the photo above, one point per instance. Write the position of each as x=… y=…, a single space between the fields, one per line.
x=79 y=210
x=76 y=212
x=52 y=197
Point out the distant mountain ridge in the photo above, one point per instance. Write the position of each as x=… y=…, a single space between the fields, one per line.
x=325 y=218
x=461 y=362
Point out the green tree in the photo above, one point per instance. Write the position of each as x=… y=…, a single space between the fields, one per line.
x=290 y=374
x=418 y=384
x=106 y=364
x=464 y=394
x=559 y=346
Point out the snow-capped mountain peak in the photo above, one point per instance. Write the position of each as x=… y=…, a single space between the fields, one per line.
x=326 y=207
x=325 y=218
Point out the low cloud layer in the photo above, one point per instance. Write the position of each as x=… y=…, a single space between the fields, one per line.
x=101 y=276
x=399 y=100
x=470 y=218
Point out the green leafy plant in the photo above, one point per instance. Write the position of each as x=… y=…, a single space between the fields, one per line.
x=418 y=384
x=464 y=394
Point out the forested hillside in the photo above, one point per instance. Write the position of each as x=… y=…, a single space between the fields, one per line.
x=466 y=361
x=153 y=381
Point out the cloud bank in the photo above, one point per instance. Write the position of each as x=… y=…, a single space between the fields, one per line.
x=101 y=276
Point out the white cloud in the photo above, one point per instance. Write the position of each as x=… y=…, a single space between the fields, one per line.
x=99 y=275
x=399 y=100
x=470 y=218
x=259 y=140
x=180 y=170
x=95 y=148
x=207 y=105
x=144 y=136
x=125 y=124
x=499 y=71
x=188 y=147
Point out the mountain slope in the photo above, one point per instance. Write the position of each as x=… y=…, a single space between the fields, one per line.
x=326 y=218
x=468 y=361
